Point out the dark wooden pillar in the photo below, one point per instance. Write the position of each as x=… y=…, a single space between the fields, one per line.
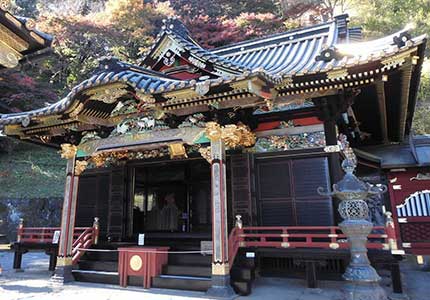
x=334 y=157
x=396 y=278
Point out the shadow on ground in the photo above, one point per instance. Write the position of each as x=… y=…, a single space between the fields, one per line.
x=26 y=289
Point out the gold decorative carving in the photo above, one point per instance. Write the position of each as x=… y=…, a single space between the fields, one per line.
x=4 y=5
x=145 y=99
x=30 y=24
x=213 y=131
x=397 y=59
x=107 y=94
x=269 y=103
x=220 y=269
x=68 y=151
x=77 y=110
x=177 y=151
x=135 y=263
x=99 y=159
x=337 y=74
x=205 y=152
x=64 y=261
x=80 y=166
x=230 y=136
x=233 y=135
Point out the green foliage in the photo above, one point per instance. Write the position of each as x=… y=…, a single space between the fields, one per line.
x=380 y=17
x=30 y=171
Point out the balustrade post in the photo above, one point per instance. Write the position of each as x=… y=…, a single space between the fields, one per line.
x=220 y=264
x=63 y=271
x=20 y=229
x=96 y=227
x=390 y=231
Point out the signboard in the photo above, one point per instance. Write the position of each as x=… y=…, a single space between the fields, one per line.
x=205 y=247
x=56 y=237
x=141 y=239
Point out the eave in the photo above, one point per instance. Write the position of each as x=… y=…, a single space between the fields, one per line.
x=19 y=39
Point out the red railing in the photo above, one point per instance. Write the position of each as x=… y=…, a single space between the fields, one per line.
x=43 y=234
x=83 y=237
x=323 y=237
x=234 y=243
x=84 y=241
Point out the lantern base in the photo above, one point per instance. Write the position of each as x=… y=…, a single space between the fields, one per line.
x=363 y=291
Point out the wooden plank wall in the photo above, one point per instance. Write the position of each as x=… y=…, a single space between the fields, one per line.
x=241 y=187
x=117 y=213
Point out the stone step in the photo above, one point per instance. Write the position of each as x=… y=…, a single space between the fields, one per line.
x=190 y=259
x=200 y=271
x=98 y=265
x=96 y=276
x=189 y=283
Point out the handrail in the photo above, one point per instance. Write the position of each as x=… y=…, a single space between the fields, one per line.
x=83 y=237
x=234 y=244
x=322 y=237
x=326 y=237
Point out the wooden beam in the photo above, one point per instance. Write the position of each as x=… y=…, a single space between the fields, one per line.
x=404 y=98
x=380 y=92
x=291 y=130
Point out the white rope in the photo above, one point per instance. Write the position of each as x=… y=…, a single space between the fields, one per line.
x=168 y=252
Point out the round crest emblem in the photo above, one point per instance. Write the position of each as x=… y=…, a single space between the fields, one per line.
x=135 y=263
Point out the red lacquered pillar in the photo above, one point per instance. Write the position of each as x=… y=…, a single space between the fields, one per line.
x=220 y=264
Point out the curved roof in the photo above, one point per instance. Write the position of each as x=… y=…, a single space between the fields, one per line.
x=283 y=62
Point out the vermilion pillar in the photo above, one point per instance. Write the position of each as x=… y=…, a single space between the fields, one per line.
x=63 y=271
x=220 y=264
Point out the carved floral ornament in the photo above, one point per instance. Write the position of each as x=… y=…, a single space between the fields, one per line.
x=233 y=135
x=68 y=151
x=107 y=95
x=80 y=166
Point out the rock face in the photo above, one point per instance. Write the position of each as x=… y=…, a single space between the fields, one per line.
x=44 y=212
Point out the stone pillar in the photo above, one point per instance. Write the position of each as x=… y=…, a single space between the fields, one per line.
x=220 y=265
x=63 y=271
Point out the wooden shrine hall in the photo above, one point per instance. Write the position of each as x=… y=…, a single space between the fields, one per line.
x=202 y=165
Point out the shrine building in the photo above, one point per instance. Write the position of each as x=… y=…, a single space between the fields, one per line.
x=210 y=160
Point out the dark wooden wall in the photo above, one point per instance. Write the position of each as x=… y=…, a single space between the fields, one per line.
x=242 y=195
x=101 y=194
x=281 y=189
x=287 y=191
x=93 y=194
x=117 y=196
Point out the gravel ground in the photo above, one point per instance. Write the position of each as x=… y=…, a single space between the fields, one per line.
x=34 y=284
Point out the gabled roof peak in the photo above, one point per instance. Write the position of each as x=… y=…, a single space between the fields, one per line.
x=174 y=25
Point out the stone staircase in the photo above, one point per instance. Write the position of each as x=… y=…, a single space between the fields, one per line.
x=183 y=271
